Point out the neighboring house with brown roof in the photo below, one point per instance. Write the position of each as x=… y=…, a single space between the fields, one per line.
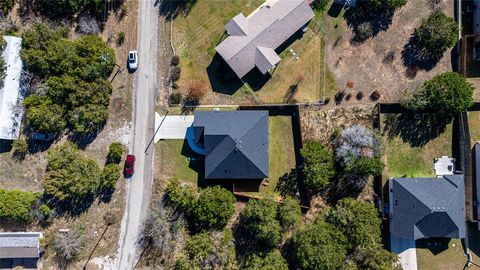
x=253 y=39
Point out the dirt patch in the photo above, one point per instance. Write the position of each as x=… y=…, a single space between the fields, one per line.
x=319 y=125
x=377 y=64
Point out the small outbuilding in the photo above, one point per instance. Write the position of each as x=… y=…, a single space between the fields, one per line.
x=19 y=249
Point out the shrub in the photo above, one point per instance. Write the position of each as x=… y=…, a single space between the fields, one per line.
x=67 y=247
x=15 y=205
x=175 y=60
x=176 y=98
x=446 y=93
x=121 y=37
x=109 y=177
x=259 y=224
x=69 y=175
x=181 y=196
x=175 y=85
x=318 y=166
x=437 y=33
x=214 y=208
x=208 y=251
x=109 y=218
x=365 y=166
x=320 y=5
x=339 y=97
x=45 y=211
x=375 y=95
x=19 y=149
x=289 y=213
x=6 y=6
x=272 y=260
x=88 y=25
x=175 y=74
x=348 y=97
x=319 y=246
x=364 y=31
x=196 y=90
x=359 y=96
x=115 y=152
x=123 y=10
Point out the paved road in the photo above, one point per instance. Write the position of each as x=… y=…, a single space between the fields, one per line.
x=139 y=186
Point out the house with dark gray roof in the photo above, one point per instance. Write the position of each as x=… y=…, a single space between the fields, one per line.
x=252 y=40
x=427 y=207
x=235 y=143
x=19 y=249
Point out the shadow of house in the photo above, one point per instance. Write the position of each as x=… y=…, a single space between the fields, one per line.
x=5 y=146
x=434 y=245
x=224 y=80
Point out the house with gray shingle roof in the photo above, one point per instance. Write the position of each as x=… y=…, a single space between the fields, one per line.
x=235 y=143
x=427 y=207
x=253 y=39
x=20 y=245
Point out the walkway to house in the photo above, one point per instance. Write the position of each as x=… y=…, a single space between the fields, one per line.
x=172 y=127
x=406 y=252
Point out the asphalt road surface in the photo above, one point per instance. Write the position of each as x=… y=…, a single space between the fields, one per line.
x=139 y=185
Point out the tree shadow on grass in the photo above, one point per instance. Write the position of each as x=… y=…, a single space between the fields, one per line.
x=288 y=185
x=83 y=140
x=377 y=21
x=416 y=129
x=415 y=57
x=172 y=8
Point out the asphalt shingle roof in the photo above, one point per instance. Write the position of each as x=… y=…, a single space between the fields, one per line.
x=428 y=207
x=268 y=26
x=236 y=143
x=19 y=245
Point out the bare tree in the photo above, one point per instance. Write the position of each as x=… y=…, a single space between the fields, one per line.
x=165 y=231
x=67 y=247
x=88 y=25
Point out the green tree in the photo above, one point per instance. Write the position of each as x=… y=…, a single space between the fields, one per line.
x=214 y=208
x=115 y=152
x=365 y=166
x=437 y=33
x=446 y=93
x=318 y=166
x=43 y=115
x=289 y=213
x=258 y=222
x=88 y=118
x=19 y=149
x=15 y=205
x=208 y=251
x=380 y=6
x=272 y=260
x=358 y=221
x=70 y=176
x=181 y=196
x=376 y=258
x=109 y=177
x=319 y=246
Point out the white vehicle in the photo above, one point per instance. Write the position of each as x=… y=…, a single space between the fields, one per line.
x=132 y=60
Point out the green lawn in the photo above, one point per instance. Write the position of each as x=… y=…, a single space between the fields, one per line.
x=173 y=162
x=196 y=35
x=282 y=154
x=474 y=126
x=404 y=160
x=440 y=254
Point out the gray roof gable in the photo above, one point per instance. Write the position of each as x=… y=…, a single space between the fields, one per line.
x=428 y=207
x=268 y=26
x=236 y=144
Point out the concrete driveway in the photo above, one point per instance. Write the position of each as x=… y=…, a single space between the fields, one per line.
x=406 y=251
x=172 y=126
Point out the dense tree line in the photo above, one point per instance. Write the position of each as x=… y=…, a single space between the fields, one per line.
x=71 y=177
x=75 y=92
x=348 y=234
